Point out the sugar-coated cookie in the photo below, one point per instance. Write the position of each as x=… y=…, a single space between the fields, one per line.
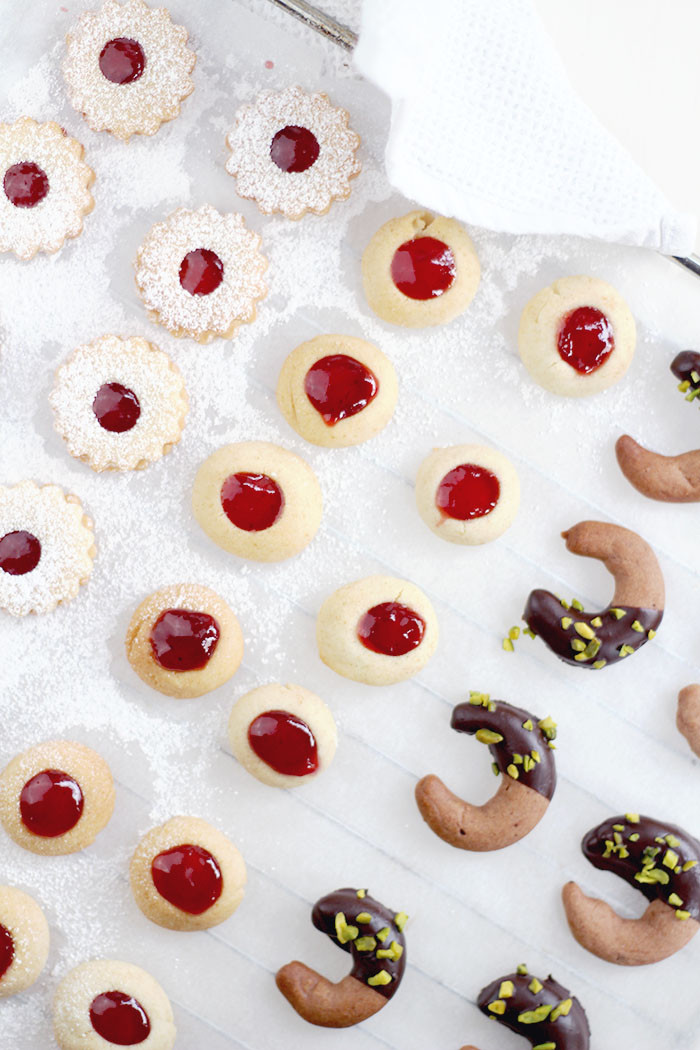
x=24 y=941
x=337 y=390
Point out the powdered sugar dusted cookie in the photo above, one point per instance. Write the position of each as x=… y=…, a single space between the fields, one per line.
x=292 y=152
x=119 y=404
x=127 y=68
x=24 y=941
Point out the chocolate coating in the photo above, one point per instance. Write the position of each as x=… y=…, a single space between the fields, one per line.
x=684 y=364
x=517 y=743
x=650 y=863
x=568 y=1031
x=366 y=963
x=546 y=615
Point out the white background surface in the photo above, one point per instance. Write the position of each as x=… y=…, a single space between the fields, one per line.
x=474 y=917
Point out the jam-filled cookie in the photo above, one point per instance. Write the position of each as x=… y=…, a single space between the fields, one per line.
x=186 y=875
x=46 y=187
x=56 y=797
x=283 y=734
x=420 y=270
x=119 y=404
x=105 y=1003
x=24 y=941
x=200 y=273
x=577 y=336
x=467 y=493
x=378 y=630
x=47 y=546
x=337 y=390
x=184 y=641
x=292 y=152
x=257 y=500
x=127 y=68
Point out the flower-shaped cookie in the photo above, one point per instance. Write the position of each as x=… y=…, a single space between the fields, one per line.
x=127 y=68
x=46 y=187
x=200 y=273
x=292 y=152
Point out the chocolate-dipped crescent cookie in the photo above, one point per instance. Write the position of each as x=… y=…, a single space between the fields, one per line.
x=521 y=748
x=543 y=1012
x=596 y=640
x=658 y=859
x=373 y=935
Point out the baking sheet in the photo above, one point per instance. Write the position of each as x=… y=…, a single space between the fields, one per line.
x=474 y=917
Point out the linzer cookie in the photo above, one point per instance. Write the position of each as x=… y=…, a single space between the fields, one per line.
x=24 y=941
x=543 y=1011
x=661 y=861
x=521 y=747
x=292 y=152
x=597 y=640
x=373 y=935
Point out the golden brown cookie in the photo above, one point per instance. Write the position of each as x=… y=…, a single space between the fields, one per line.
x=24 y=941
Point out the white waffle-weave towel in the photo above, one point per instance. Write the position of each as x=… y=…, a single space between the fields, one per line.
x=486 y=127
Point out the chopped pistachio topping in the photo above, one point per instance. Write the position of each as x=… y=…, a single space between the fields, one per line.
x=383 y=934
x=479 y=699
x=599 y=663
x=528 y=724
x=562 y=1009
x=540 y=1013
x=528 y=764
x=365 y=944
x=672 y=841
x=506 y=990
x=618 y=827
x=497 y=1006
x=632 y=818
x=380 y=978
x=522 y=970
x=596 y=622
x=364 y=917
x=508 y=645
x=514 y=633
x=496 y=770
x=545 y=1046
x=566 y=622
x=361 y=894
x=582 y=656
x=625 y=650
x=535 y=755
x=637 y=626
x=584 y=629
x=695 y=377
x=535 y=986
x=682 y=915
x=577 y=645
x=394 y=951
x=634 y=837
x=529 y=632
x=576 y=604
x=618 y=613
x=401 y=919
x=518 y=759
x=548 y=727
x=651 y=875
x=684 y=385
x=689 y=864
x=671 y=859
x=487 y=736
x=343 y=931
x=651 y=634
x=564 y=604
x=674 y=900
x=512 y=771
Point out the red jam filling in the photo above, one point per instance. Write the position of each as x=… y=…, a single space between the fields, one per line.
x=25 y=184
x=391 y=629
x=51 y=803
x=7 y=950
x=182 y=640
x=122 y=60
x=188 y=877
x=116 y=407
x=467 y=492
x=19 y=552
x=294 y=149
x=338 y=386
x=285 y=742
x=585 y=339
x=119 y=1019
x=423 y=268
x=201 y=272
x=251 y=502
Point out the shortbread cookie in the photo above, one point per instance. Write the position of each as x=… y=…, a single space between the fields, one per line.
x=467 y=493
x=200 y=273
x=577 y=336
x=337 y=390
x=378 y=630
x=127 y=68
x=283 y=734
x=257 y=500
x=186 y=875
x=46 y=186
x=24 y=941
x=292 y=152
x=184 y=640
x=106 y=1003
x=119 y=404
x=420 y=270
x=56 y=797
x=543 y=1012
x=47 y=546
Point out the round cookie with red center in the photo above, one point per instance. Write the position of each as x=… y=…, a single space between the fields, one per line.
x=119 y=404
x=24 y=941
x=257 y=500
x=56 y=797
x=378 y=630
x=200 y=273
x=577 y=336
x=127 y=68
x=292 y=152
x=45 y=187
x=47 y=546
x=467 y=493
x=420 y=270
x=184 y=641
x=284 y=735
x=105 y=1003
x=186 y=875
x=337 y=390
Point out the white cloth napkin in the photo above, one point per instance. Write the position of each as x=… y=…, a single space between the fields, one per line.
x=486 y=127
